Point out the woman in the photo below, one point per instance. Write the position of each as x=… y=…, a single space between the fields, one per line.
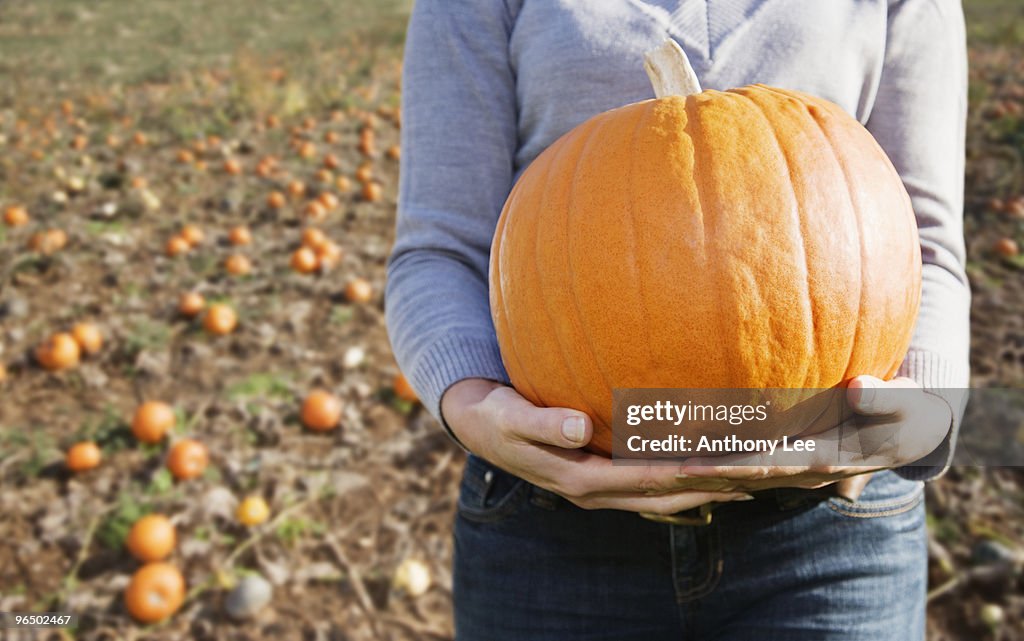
x=548 y=540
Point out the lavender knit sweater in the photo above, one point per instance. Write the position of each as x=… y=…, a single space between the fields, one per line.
x=488 y=84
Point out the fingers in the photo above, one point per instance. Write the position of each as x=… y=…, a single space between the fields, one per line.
x=664 y=504
x=850 y=488
x=523 y=421
x=870 y=396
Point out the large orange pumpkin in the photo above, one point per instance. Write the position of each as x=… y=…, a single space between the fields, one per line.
x=750 y=238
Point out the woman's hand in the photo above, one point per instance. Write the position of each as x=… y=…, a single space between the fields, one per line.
x=904 y=424
x=542 y=445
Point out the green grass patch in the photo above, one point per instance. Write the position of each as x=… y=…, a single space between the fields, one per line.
x=114 y=528
x=996 y=22
x=100 y=227
x=146 y=334
x=161 y=482
x=1016 y=261
x=945 y=530
x=263 y=384
x=388 y=397
x=342 y=314
x=147 y=41
x=108 y=430
x=293 y=528
x=38 y=449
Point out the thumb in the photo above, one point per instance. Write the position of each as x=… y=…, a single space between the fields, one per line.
x=851 y=487
x=556 y=426
x=871 y=396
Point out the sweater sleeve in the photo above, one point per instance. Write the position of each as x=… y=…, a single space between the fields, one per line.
x=919 y=118
x=458 y=144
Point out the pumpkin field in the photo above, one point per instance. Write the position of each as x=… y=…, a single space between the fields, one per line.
x=198 y=203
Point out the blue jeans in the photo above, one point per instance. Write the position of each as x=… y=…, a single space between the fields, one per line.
x=791 y=565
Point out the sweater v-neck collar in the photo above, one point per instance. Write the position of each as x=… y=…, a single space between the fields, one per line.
x=687 y=22
x=701 y=27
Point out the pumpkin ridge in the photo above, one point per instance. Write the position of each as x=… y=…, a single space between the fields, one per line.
x=591 y=139
x=631 y=181
x=879 y=154
x=569 y=366
x=801 y=228
x=811 y=110
x=712 y=265
x=541 y=162
x=805 y=102
x=501 y=307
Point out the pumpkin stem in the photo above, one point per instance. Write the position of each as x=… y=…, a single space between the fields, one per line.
x=670 y=72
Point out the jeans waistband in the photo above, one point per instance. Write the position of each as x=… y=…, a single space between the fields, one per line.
x=782 y=499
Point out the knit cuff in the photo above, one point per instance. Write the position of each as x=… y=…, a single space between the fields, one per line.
x=938 y=376
x=451 y=359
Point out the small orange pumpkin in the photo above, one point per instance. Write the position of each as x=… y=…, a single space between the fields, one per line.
x=155 y=592
x=275 y=200
x=152 y=421
x=240 y=235
x=220 y=319
x=364 y=173
x=305 y=260
x=15 y=216
x=61 y=351
x=88 y=336
x=343 y=184
x=49 y=241
x=328 y=200
x=329 y=255
x=176 y=246
x=192 y=234
x=372 y=192
x=314 y=210
x=187 y=459
x=321 y=411
x=191 y=303
x=307 y=150
x=151 y=538
x=313 y=238
x=359 y=290
x=83 y=456
x=1006 y=247
x=403 y=389
x=237 y=265
x=253 y=510
x=232 y=167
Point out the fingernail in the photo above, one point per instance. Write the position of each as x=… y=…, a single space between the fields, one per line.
x=867 y=393
x=744 y=497
x=573 y=428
